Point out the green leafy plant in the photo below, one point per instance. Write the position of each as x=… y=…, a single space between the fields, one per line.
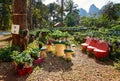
x=117 y=65
x=21 y=58
x=34 y=53
x=5 y=54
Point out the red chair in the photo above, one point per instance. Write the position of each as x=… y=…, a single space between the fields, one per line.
x=87 y=42
x=92 y=45
x=101 y=50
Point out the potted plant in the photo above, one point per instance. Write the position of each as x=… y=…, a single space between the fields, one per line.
x=68 y=54
x=22 y=62
x=43 y=52
x=34 y=52
x=59 y=43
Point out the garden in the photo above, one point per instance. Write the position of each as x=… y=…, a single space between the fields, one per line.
x=77 y=49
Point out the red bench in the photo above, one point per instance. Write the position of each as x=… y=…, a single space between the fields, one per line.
x=92 y=45
x=101 y=50
x=87 y=42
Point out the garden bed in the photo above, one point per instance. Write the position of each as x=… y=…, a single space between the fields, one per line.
x=82 y=68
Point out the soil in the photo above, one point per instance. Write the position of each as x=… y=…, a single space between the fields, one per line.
x=81 y=68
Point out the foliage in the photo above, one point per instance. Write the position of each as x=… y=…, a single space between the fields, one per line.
x=73 y=17
x=103 y=21
x=34 y=52
x=117 y=65
x=111 y=10
x=57 y=34
x=5 y=54
x=5 y=14
x=54 y=10
x=21 y=58
x=40 y=16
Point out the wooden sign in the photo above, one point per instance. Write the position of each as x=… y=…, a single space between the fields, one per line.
x=15 y=29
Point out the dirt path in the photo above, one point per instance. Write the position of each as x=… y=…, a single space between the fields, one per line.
x=82 y=68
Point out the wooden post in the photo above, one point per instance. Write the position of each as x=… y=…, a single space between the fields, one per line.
x=20 y=18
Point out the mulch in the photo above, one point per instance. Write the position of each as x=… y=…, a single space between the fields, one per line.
x=81 y=68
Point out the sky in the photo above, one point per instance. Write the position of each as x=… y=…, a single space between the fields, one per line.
x=85 y=4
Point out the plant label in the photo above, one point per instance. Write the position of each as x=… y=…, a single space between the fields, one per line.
x=15 y=29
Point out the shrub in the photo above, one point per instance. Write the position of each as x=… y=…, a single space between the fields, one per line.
x=5 y=54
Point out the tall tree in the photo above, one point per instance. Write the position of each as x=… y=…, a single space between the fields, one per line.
x=73 y=17
x=110 y=10
x=40 y=15
x=20 y=18
x=62 y=9
x=5 y=14
x=54 y=15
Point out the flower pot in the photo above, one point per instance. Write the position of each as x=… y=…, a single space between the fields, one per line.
x=24 y=71
x=38 y=61
x=59 y=49
x=68 y=54
x=49 y=48
x=43 y=53
x=20 y=65
x=27 y=65
x=15 y=64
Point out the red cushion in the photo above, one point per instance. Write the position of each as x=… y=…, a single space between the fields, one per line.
x=92 y=45
x=90 y=48
x=100 y=54
x=99 y=50
x=87 y=42
x=102 y=50
x=103 y=46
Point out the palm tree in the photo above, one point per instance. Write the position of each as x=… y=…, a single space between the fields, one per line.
x=54 y=9
x=70 y=6
x=62 y=10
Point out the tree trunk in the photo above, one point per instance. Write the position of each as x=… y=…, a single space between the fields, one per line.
x=20 y=18
x=31 y=25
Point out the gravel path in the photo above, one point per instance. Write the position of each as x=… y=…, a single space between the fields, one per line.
x=82 y=68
